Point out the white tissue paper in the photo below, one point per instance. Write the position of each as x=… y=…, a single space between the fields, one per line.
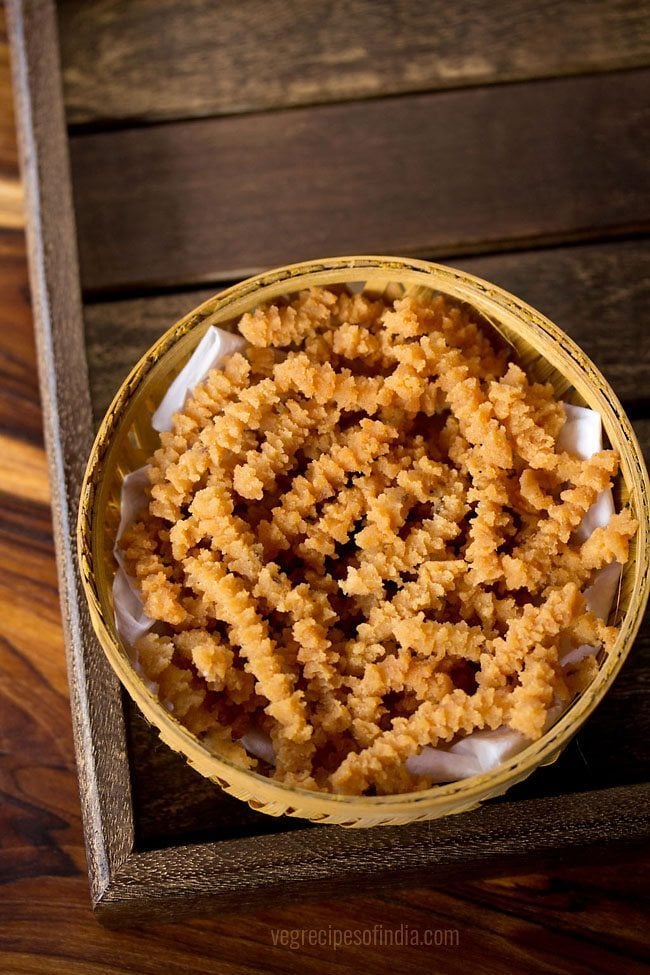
x=471 y=755
x=215 y=345
x=130 y=618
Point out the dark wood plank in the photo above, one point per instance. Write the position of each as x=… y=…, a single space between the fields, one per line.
x=598 y=293
x=448 y=173
x=160 y=59
x=119 y=332
x=98 y=720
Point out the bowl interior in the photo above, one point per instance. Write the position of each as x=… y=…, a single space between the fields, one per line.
x=126 y=440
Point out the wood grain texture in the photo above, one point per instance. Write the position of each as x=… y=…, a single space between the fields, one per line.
x=598 y=293
x=570 y=921
x=426 y=175
x=11 y=197
x=98 y=721
x=9 y=156
x=247 y=55
x=18 y=380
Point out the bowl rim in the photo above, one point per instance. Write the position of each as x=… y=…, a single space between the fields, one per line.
x=277 y=797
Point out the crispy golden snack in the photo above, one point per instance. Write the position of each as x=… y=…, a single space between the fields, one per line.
x=360 y=540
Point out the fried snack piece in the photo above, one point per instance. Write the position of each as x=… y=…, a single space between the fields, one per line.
x=182 y=691
x=360 y=539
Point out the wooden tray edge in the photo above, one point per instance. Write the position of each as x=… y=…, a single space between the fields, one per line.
x=169 y=884
x=97 y=711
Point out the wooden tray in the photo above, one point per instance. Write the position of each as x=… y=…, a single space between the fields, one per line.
x=197 y=144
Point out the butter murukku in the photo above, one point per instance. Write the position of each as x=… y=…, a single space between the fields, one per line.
x=361 y=539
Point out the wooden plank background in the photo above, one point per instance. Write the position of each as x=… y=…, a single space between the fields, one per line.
x=431 y=174
x=247 y=55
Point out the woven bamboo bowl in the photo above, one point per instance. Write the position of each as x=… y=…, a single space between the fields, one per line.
x=125 y=441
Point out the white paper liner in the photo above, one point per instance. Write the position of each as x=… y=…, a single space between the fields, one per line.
x=471 y=755
x=213 y=348
x=582 y=434
x=130 y=618
x=258 y=744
